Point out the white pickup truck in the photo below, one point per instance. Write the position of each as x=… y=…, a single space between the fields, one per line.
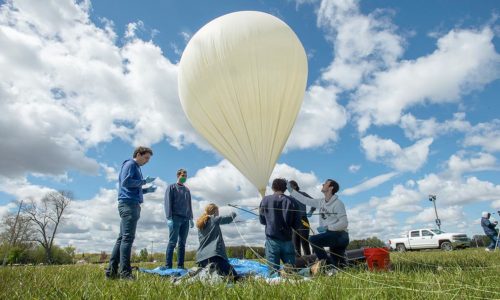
x=429 y=239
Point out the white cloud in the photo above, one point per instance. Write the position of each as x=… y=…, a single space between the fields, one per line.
x=354 y=168
x=363 y=43
x=401 y=199
x=110 y=172
x=459 y=191
x=418 y=129
x=21 y=189
x=459 y=164
x=132 y=28
x=464 y=60
x=496 y=204
x=66 y=86
x=449 y=216
x=485 y=135
x=369 y=184
x=186 y=36
x=319 y=119
x=365 y=222
x=387 y=151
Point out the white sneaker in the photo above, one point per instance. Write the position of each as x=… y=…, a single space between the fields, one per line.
x=487 y=249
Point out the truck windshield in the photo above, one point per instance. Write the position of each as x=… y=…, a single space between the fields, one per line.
x=437 y=231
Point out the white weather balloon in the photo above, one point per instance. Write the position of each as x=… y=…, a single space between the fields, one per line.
x=242 y=79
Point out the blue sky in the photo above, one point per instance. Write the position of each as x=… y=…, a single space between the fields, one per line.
x=401 y=102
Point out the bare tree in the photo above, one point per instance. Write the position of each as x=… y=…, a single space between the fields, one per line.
x=18 y=231
x=46 y=218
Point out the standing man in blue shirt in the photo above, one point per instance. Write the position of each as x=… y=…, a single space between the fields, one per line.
x=179 y=213
x=279 y=214
x=130 y=197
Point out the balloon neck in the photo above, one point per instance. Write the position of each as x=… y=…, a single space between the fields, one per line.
x=262 y=192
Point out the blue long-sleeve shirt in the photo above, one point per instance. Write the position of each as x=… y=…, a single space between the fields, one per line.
x=177 y=201
x=489 y=228
x=130 y=182
x=279 y=214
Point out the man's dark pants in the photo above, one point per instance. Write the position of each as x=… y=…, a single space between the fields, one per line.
x=300 y=238
x=336 y=240
x=179 y=232
x=119 y=263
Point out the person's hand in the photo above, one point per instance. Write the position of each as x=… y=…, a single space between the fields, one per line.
x=149 y=179
x=322 y=229
x=233 y=215
x=289 y=187
x=150 y=189
x=310 y=214
x=191 y=223
x=170 y=224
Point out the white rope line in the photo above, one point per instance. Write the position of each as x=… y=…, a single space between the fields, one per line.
x=402 y=258
x=371 y=281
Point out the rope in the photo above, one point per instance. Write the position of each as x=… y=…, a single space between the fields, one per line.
x=357 y=277
x=269 y=263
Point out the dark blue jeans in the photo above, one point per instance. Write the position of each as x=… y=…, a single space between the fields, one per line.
x=336 y=240
x=494 y=241
x=119 y=263
x=179 y=233
x=277 y=250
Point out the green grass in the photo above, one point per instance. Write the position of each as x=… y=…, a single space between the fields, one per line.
x=471 y=273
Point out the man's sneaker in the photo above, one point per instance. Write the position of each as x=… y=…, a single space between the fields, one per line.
x=127 y=277
x=487 y=249
x=110 y=276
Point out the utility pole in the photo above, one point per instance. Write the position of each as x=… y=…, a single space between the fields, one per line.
x=12 y=235
x=152 y=251
x=432 y=198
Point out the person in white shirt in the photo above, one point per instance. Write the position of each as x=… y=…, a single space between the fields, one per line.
x=332 y=230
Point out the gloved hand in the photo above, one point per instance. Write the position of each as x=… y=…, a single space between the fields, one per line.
x=149 y=179
x=170 y=224
x=191 y=223
x=150 y=189
x=322 y=229
x=310 y=214
x=289 y=187
x=233 y=215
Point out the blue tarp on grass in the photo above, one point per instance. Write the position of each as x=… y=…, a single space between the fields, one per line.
x=246 y=267
x=242 y=266
x=165 y=272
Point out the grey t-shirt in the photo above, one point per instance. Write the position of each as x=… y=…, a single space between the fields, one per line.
x=210 y=237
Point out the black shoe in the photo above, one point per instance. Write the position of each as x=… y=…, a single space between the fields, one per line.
x=110 y=276
x=127 y=277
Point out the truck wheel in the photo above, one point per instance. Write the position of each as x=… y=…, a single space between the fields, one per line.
x=400 y=248
x=446 y=246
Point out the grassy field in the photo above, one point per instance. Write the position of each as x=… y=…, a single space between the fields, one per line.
x=471 y=273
